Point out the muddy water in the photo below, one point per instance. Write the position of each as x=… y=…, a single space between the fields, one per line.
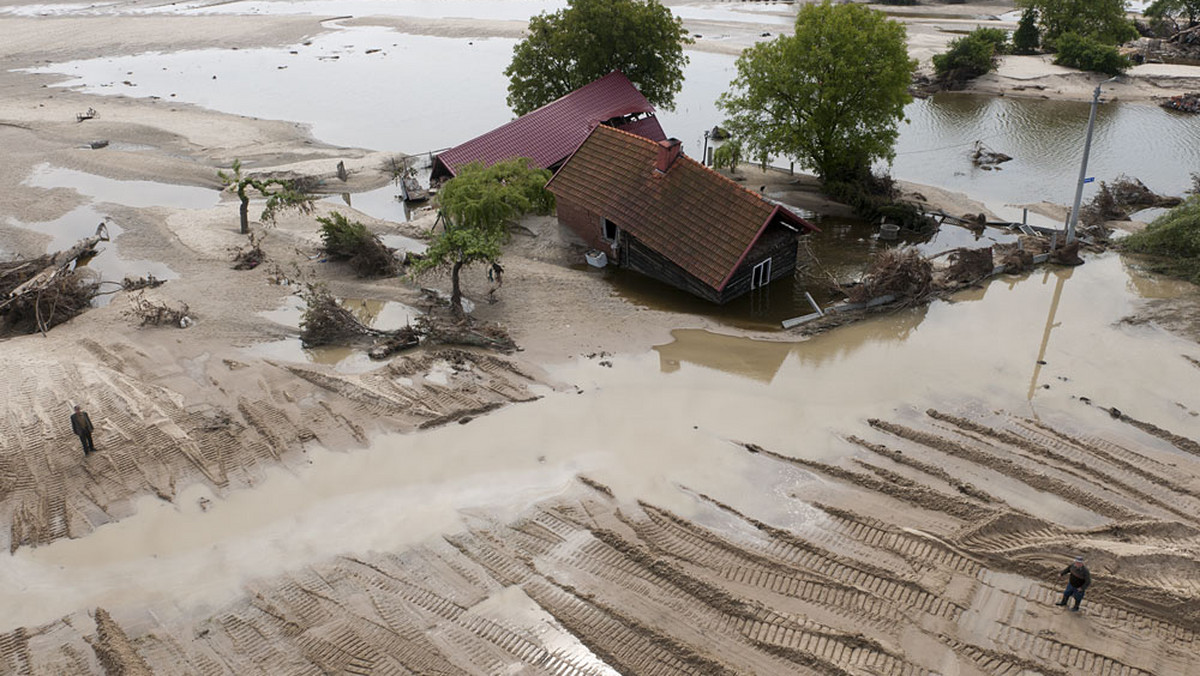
x=652 y=423
x=1045 y=137
x=82 y=221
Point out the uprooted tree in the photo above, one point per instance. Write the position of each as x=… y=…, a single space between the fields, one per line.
x=326 y=321
x=39 y=293
x=350 y=241
x=281 y=194
x=476 y=207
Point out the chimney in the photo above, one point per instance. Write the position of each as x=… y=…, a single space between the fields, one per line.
x=668 y=150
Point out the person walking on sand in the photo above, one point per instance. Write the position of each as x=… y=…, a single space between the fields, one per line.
x=81 y=425
x=1080 y=578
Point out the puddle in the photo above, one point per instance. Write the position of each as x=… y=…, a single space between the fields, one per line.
x=382 y=203
x=82 y=221
x=648 y=425
x=111 y=267
x=380 y=314
x=139 y=194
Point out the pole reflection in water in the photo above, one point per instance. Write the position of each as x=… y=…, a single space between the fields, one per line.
x=1062 y=276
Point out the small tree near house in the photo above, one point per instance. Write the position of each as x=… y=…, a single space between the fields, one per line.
x=477 y=206
x=281 y=194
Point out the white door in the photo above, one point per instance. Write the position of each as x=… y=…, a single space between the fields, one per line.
x=761 y=274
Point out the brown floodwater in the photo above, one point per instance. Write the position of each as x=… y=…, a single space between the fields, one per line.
x=654 y=423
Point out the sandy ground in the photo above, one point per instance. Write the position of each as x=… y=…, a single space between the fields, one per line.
x=904 y=560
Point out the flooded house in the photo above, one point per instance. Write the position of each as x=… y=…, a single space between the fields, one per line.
x=650 y=208
x=551 y=133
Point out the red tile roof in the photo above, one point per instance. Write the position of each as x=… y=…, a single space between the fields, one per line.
x=550 y=133
x=700 y=220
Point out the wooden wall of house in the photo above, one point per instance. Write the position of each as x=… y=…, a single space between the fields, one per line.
x=643 y=259
x=777 y=243
x=585 y=224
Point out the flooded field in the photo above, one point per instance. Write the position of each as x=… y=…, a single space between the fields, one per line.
x=818 y=529
x=1159 y=147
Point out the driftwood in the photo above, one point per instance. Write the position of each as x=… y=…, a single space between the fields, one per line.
x=986 y=158
x=59 y=263
x=46 y=289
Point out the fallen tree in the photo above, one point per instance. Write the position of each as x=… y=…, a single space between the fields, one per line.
x=350 y=241
x=327 y=322
x=40 y=293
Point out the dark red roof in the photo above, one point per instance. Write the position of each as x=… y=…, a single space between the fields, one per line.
x=550 y=133
x=700 y=220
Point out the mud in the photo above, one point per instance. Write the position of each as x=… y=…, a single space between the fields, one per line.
x=634 y=587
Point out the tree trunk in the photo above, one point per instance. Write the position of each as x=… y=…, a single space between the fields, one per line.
x=244 y=214
x=59 y=262
x=456 y=291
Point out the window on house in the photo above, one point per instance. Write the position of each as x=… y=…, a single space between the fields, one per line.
x=611 y=231
x=761 y=274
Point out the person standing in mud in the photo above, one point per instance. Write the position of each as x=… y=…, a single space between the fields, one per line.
x=81 y=425
x=1080 y=579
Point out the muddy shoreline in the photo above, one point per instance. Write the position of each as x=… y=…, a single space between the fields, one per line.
x=691 y=525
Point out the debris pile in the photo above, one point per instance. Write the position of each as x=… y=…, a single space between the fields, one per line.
x=157 y=312
x=987 y=159
x=1187 y=103
x=147 y=282
x=1115 y=201
x=902 y=273
x=968 y=266
x=40 y=293
x=326 y=322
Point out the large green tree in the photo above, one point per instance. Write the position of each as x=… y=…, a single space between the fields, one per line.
x=477 y=206
x=1187 y=10
x=591 y=38
x=1102 y=20
x=831 y=96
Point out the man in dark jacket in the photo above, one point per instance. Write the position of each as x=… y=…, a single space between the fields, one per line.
x=81 y=425
x=1079 y=580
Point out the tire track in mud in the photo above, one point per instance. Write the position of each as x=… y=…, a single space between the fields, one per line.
x=637 y=588
x=151 y=441
x=1109 y=452
x=844 y=588
x=907 y=491
x=1178 y=441
x=1008 y=467
x=932 y=470
x=1092 y=472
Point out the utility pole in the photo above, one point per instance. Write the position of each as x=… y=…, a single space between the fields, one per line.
x=1087 y=148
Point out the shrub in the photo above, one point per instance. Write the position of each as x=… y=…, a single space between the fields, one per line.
x=1084 y=53
x=875 y=196
x=997 y=36
x=1026 y=39
x=971 y=56
x=348 y=240
x=1173 y=240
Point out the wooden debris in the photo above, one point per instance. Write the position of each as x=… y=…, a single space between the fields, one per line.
x=157 y=313
x=45 y=289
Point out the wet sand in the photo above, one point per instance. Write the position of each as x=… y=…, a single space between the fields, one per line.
x=638 y=491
